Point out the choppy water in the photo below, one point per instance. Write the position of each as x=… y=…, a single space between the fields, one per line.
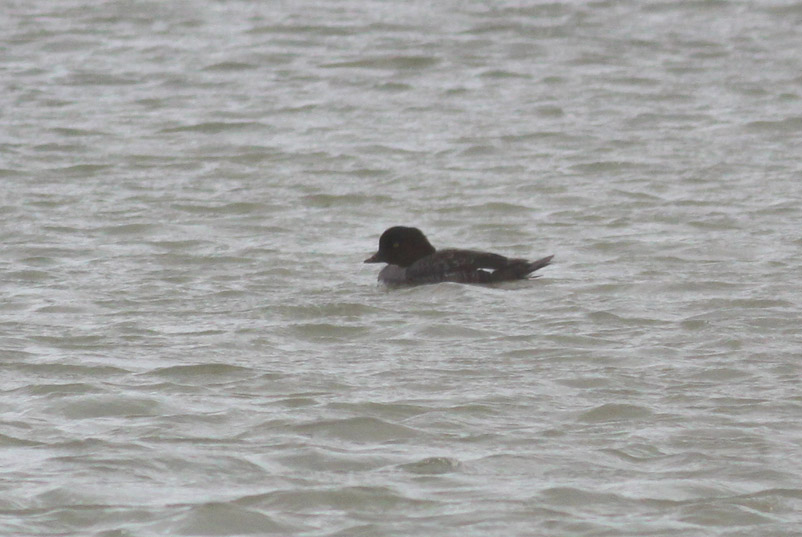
x=191 y=345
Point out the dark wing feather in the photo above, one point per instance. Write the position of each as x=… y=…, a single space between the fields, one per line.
x=469 y=266
x=461 y=266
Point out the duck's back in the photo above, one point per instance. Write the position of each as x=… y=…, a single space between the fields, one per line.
x=453 y=265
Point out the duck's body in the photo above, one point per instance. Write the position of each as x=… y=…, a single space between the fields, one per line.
x=412 y=260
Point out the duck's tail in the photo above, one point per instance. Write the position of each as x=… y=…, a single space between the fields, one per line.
x=539 y=264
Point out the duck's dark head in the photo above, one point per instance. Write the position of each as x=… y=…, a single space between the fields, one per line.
x=401 y=246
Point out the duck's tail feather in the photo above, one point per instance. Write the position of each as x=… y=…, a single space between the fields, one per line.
x=539 y=264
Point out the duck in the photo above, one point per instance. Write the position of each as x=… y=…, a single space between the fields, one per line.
x=412 y=260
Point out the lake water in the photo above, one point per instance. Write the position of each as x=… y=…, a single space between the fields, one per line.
x=191 y=345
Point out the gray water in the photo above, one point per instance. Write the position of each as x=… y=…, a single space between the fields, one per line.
x=191 y=345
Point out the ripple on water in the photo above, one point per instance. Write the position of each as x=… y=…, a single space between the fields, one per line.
x=394 y=62
x=359 y=499
x=322 y=459
x=202 y=374
x=328 y=331
x=224 y=518
x=107 y=406
x=358 y=430
x=431 y=466
x=611 y=412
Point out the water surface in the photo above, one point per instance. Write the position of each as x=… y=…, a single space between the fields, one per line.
x=191 y=344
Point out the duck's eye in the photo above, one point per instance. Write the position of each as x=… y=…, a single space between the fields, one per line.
x=395 y=245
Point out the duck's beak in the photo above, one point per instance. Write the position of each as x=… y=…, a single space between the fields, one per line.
x=375 y=258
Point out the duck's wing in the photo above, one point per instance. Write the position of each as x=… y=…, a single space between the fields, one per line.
x=461 y=266
x=470 y=266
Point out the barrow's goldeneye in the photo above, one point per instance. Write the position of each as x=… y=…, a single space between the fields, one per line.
x=412 y=260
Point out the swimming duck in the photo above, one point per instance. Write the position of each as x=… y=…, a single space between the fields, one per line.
x=412 y=260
